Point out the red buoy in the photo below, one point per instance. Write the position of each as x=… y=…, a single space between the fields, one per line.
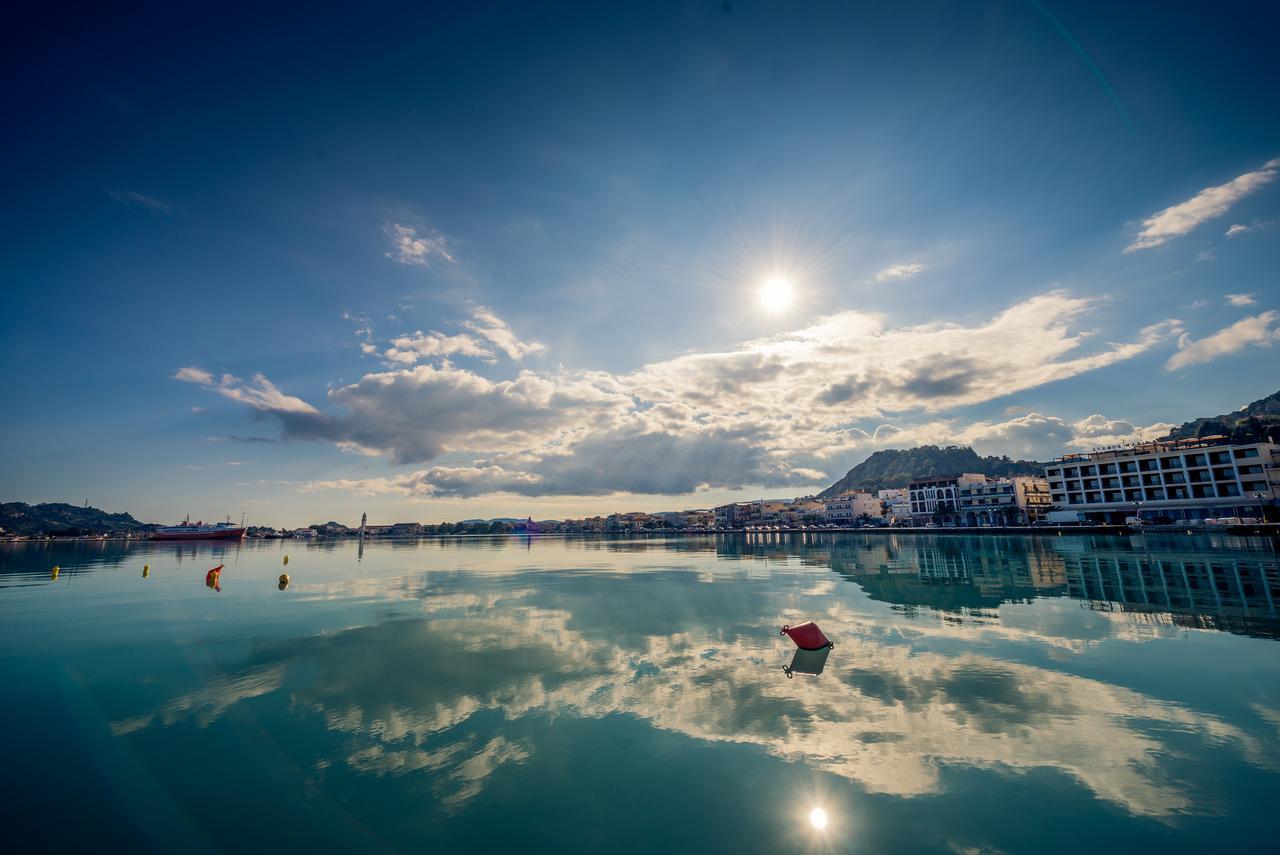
x=807 y=636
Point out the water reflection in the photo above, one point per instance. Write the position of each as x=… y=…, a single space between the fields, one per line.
x=807 y=662
x=463 y=664
x=452 y=697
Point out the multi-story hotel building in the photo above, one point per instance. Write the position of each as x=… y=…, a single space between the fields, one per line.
x=926 y=494
x=1171 y=480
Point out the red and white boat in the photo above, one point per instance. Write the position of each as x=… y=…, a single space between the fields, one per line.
x=199 y=530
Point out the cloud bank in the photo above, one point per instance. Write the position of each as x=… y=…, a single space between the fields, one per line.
x=773 y=412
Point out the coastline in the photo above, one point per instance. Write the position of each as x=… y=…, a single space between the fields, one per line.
x=1259 y=530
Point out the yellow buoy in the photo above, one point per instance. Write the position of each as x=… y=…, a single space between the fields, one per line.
x=146 y=570
x=286 y=561
x=56 y=571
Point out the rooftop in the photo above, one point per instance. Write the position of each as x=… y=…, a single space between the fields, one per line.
x=1159 y=446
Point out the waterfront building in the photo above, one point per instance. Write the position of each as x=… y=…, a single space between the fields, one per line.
x=927 y=494
x=1168 y=481
x=848 y=508
x=805 y=510
x=895 y=504
x=699 y=519
x=1003 y=501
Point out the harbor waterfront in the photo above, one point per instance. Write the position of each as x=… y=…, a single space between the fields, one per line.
x=985 y=693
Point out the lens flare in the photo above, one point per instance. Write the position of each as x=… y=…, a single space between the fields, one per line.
x=776 y=294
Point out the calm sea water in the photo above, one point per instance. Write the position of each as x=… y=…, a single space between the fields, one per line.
x=984 y=694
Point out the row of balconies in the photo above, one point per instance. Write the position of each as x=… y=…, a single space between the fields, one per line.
x=1153 y=494
x=1154 y=463
x=1154 y=479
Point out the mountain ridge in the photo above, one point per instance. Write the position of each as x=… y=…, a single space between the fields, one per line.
x=894 y=467
x=1254 y=421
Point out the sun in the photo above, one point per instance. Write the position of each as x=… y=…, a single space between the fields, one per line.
x=776 y=294
x=818 y=818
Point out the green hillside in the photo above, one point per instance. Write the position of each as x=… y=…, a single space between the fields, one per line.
x=62 y=519
x=895 y=467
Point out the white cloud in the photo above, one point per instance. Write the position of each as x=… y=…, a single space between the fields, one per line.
x=1029 y=436
x=132 y=197
x=495 y=330
x=1240 y=299
x=259 y=392
x=411 y=248
x=1257 y=330
x=1239 y=230
x=415 y=347
x=1211 y=202
x=488 y=335
x=771 y=412
x=899 y=271
x=191 y=374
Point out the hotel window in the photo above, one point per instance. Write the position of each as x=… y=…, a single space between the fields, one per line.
x=1242 y=453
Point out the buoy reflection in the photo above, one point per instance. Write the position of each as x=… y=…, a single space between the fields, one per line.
x=818 y=818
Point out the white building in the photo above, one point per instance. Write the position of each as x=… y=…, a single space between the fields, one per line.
x=1172 y=480
x=926 y=495
x=895 y=504
x=848 y=508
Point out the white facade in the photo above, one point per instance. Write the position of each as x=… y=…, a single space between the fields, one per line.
x=926 y=494
x=849 y=507
x=1172 y=480
x=895 y=504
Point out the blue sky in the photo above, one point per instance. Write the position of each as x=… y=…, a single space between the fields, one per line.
x=444 y=262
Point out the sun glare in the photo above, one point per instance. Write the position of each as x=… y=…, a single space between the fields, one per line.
x=776 y=294
x=818 y=818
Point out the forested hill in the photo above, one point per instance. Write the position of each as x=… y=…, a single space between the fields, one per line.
x=1254 y=422
x=895 y=467
x=62 y=519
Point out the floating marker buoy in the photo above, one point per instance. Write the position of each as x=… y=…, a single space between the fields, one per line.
x=56 y=571
x=146 y=570
x=286 y=561
x=284 y=579
x=807 y=636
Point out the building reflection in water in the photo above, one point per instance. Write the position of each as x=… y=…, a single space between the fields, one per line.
x=1224 y=583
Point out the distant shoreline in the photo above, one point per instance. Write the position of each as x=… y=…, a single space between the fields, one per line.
x=1261 y=530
